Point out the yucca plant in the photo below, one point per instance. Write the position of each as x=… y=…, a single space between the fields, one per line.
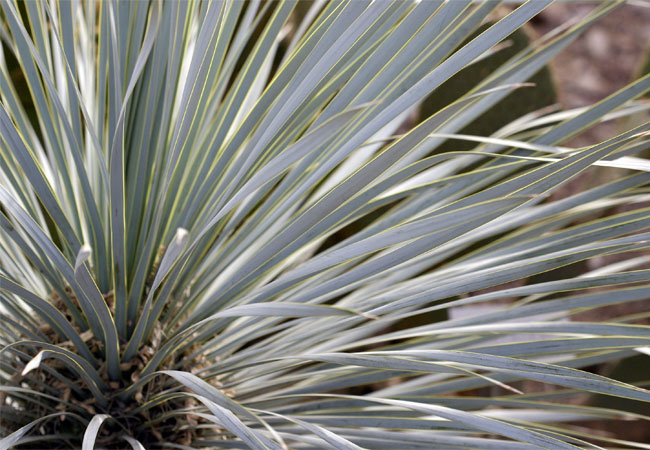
x=222 y=228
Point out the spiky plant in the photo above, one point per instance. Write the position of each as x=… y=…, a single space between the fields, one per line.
x=221 y=228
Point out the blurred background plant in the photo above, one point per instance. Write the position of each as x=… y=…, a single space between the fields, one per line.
x=320 y=224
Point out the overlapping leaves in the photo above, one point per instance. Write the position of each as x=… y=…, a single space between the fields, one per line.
x=164 y=217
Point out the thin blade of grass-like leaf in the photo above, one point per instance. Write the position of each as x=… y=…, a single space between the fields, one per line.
x=100 y=308
x=117 y=218
x=26 y=54
x=55 y=256
x=476 y=422
x=280 y=163
x=229 y=421
x=169 y=259
x=333 y=439
x=75 y=363
x=14 y=438
x=134 y=443
x=90 y=435
x=572 y=126
x=50 y=314
x=262 y=309
x=204 y=389
x=36 y=178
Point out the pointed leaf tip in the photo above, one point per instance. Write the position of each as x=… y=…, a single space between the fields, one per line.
x=34 y=363
x=181 y=235
x=84 y=253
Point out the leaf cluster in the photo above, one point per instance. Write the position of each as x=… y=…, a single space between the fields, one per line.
x=174 y=182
